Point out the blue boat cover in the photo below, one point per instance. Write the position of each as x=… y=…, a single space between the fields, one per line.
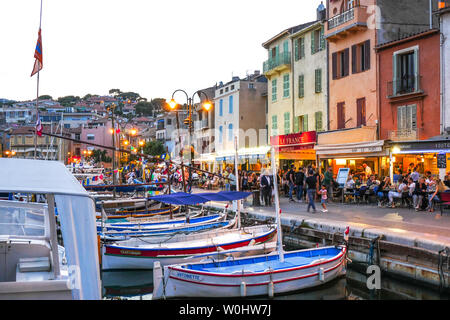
x=181 y=198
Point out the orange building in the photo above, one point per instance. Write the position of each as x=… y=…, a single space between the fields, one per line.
x=353 y=29
x=409 y=95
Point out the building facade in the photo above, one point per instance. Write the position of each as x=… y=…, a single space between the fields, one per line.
x=240 y=112
x=354 y=28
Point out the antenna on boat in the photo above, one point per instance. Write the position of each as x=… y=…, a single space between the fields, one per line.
x=277 y=206
x=236 y=161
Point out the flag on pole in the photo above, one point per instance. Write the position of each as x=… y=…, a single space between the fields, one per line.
x=38 y=55
x=38 y=125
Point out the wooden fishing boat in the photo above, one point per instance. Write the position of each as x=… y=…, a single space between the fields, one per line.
x=148 y=213
x=184 y=229
x=157 y=226
x=268 y=274
x=141 y=253
x=264 y=275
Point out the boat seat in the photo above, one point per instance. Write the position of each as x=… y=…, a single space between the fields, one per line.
x=34 y=264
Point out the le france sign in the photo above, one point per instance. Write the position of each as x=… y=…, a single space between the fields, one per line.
x=294 y=142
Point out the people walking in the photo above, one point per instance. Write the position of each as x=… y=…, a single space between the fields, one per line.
x=299 y=181
x=311 y=184
x=291 y=182
x=324 y=197
x=266 y=188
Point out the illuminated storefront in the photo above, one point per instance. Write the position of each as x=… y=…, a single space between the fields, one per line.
x=351 y=149
x=249 y=159
x=421 y=154
x=295 y=149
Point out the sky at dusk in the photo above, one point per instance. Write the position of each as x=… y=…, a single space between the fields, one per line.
x=148 y=47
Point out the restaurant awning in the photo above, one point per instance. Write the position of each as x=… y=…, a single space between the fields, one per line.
x=375 y=147
x=244 y=153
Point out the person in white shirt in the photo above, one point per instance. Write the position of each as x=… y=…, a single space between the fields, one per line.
x=367 y=170
x=397 y=194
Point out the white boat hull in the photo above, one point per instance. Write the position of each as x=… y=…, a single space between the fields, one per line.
x=177 y=282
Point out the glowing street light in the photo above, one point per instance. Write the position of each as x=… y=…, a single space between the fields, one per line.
x=172 y=104
x=133 y=132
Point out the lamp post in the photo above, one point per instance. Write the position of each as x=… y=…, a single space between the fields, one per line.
x=207 y=105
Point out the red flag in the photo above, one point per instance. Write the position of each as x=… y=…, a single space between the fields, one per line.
x=38 y=55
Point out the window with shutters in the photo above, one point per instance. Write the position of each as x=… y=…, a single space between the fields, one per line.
x=220 y=134
x=406 y=71
x=407 y=119
x=230 y=104
x=341 y=115
x=286 y=86
x=274 y=90
x=318 y=80
x=361 y=57
x=287 y=123
x=361 y=112
x=317 y=40
x=221 y=107
x=230 y=132
x=296 y=125
x=340 y=64
x=319 y=121
x=303 y=122
x=274 y=122
x=299 y=48
x=301 y=86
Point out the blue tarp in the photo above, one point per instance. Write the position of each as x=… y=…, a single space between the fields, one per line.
x=181 y=198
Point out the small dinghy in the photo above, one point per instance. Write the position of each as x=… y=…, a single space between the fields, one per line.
x=259 y=275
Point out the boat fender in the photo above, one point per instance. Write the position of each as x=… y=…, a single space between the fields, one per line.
x=271 y=289
x=243 y=289
x=321 y=274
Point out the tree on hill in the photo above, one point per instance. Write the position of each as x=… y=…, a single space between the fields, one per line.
x=154 y=148
x=45 y=97
x=68 y=101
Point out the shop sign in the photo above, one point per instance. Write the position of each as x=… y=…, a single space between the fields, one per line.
x=295 y=141
x=442 y=161
x=342 y=176
x=438 y=145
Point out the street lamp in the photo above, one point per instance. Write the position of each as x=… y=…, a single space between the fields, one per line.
x=206 y=105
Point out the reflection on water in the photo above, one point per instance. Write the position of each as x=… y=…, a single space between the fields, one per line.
x=138 y=285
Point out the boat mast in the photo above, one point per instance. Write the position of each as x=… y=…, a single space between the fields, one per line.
x=37 y=94
x=236 y=161
x=277 y=207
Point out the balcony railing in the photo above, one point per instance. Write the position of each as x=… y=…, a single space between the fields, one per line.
x=408 y=84
x=405 y=134
x=341 y=18
x=282 y=59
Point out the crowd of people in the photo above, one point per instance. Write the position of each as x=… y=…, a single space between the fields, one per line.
x=307 y=185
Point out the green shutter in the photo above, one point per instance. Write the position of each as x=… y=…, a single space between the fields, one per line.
x=274 y=90
x=319 y=122
x=274 y=123
x=305 y=123
x=296 y=125
x=296 y=49
x=313 y=42
x=318 y=80
x=301 y=86
x=302 y=48
x=287 y=123
x=322 y=38
x=394 y=74
x=286 y=86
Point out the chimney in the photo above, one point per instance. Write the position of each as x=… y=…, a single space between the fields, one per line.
x=321 y=12
x=257 y=73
